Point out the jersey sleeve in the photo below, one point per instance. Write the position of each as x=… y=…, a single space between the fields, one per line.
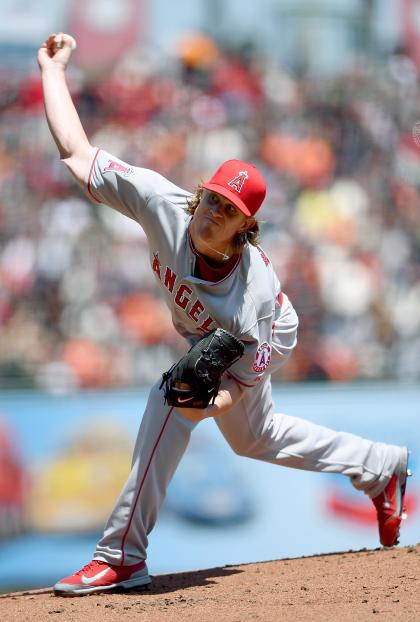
x=243 y=370
x=256 y=337
x=128 y=189
x=269 y=340
x=266 y=352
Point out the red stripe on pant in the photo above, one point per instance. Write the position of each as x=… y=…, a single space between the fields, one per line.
x=141 y=485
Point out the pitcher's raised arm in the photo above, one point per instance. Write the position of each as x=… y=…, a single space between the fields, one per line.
x=62 y=117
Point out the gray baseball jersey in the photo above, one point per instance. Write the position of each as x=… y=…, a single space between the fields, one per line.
x=249 y=303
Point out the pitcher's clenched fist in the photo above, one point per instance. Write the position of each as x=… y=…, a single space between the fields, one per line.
x=57 y=49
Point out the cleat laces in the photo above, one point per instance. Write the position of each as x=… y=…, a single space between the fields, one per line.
x=89 y=565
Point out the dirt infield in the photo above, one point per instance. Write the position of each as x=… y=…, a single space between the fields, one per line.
x=364 y=585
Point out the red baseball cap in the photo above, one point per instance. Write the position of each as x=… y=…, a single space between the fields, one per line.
x=241 y=183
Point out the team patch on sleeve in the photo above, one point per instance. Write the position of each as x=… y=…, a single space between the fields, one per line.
x=116 y=167
x=262 y=357
x=263 y=256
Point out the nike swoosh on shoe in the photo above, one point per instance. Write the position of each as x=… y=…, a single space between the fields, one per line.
x=96 y=577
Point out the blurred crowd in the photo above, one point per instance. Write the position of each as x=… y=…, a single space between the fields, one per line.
x=79 y=304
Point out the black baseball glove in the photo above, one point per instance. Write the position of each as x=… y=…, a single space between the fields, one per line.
x=194 y=381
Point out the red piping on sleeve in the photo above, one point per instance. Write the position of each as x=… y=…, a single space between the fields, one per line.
x=90 y=178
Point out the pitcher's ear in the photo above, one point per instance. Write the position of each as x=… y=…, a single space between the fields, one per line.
x=247 y=225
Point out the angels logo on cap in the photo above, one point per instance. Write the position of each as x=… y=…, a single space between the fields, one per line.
x=234 y=178
x=238 y=181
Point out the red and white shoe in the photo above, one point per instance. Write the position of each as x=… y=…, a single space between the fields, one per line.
x=389 y=505
x=97 y=576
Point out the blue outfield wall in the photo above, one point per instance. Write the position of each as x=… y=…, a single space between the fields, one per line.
x=68 y=455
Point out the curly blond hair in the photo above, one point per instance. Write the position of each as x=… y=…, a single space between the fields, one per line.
x=250 y=236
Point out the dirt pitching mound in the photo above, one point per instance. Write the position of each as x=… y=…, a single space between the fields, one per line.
x=383 y=584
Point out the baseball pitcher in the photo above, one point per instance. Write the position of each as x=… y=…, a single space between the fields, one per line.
x=239 y=326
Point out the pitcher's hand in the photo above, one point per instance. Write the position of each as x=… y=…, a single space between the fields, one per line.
x=56 y=51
